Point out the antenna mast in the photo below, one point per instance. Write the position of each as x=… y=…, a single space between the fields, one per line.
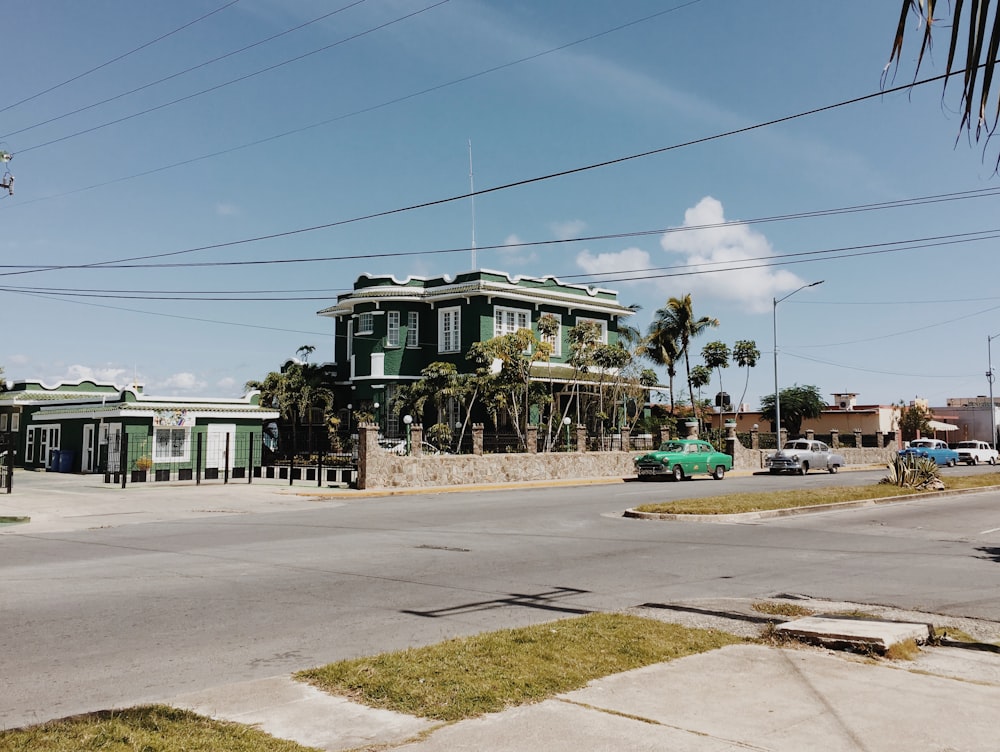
x=472 y=199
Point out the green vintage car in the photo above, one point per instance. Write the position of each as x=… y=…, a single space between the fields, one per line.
x=682 y=458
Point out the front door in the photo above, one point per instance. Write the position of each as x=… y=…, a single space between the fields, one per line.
x=89 y=448
x=215 y=455
x=111 y=437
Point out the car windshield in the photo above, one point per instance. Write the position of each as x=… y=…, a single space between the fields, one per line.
x=672 y=446
x=797 y=445
x=970 y=444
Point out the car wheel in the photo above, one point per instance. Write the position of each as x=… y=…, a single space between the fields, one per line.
x=833 y=469
x=678 y=472
x=993 y=460
x=952 y=463
x=973 y=460
x=804 y=469
x=719 y=473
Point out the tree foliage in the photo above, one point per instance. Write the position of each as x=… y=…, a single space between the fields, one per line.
x=797 y=404
x=670 y=334
x=745 y=355
x=914 y=421
x=973 y=46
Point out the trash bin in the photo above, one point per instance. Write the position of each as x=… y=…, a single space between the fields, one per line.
x=53 y=463
x=66 y=460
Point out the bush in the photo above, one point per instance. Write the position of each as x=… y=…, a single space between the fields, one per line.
x=910 y=471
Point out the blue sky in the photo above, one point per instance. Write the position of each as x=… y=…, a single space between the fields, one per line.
x=369 y=107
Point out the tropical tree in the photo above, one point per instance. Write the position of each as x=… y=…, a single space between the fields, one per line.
x=980 y=43
x=662 y=347
x=679 y=323
x=716 y=355
x=295 y=391
x=700 y=376
x=914 y=420
x=797 y=404
x=745 y=355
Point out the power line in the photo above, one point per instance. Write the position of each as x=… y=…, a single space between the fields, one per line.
x=239 y=79
x=373 y=108
x=119 y=57
x=185 y=71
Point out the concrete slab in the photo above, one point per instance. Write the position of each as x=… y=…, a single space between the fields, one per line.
x=289 y=709
x=863 y=633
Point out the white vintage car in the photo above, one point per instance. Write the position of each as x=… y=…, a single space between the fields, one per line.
x=802 y=455
x=974 y=452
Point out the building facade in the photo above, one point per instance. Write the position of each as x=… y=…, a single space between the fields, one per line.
x=387 y=330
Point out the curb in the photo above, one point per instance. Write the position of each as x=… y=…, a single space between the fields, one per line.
x=764 y=514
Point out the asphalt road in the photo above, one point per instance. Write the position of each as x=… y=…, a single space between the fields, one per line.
x=112 y=616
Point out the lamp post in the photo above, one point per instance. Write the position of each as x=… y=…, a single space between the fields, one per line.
x=777 y=397
x=566 y=422
x=407 y=419
x=989 y=377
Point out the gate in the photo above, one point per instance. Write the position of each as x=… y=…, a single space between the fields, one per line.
x=7 y=444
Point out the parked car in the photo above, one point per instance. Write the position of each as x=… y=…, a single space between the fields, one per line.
x=682 y=458
x=934 y=449
x=802 y=455
x=974 y=452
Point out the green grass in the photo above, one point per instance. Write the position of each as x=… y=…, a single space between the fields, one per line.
x=151 y=728
x=759 y=502
x=774 y=608
x=486 y=673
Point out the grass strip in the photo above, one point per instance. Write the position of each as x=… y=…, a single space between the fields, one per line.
x=148 y=728
x=766 y=501
x=485 y=673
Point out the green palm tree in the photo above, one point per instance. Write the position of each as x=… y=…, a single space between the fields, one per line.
x=662 y=347
x=677 y=322
x=979 y=44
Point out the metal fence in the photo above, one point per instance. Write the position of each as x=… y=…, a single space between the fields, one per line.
x=197 y=456
x=7 y=444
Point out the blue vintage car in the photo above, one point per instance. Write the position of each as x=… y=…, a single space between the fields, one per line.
x=934 y=449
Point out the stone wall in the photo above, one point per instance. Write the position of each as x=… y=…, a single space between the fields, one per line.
x=378 y=468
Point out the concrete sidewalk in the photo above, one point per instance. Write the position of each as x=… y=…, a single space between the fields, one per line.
x=742 y=697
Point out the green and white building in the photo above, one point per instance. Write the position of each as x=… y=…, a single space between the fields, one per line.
x=388 y=330
x=81 y=426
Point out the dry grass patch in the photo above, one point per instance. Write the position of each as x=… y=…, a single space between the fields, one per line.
x=486 y=673
x=776 y=608
x=150 y=728
x=762 y=502
x=907 y=650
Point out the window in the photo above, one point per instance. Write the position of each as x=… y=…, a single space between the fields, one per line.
x=602 y=325
x=29 y=450
x=509 y=320
x=366 y=323
x=350 y=339
x=3 y=422
x=171 y=444
x=413 y=329
x=15 y=422
x=554 y=339
x=392 y=329
x=449 y=329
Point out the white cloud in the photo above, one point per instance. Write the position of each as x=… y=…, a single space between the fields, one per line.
x=718 y=245
x=702 y=251
x=18 y=360
x=628 y=261
x=183 y=381
x=76 y=372
x=226 y=209
x=567 y=230
x=227 y=384
x=514 y=253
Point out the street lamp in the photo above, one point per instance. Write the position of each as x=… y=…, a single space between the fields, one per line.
x=777 y=398
x=408 y=419
x=566 y=422
x=989 y=377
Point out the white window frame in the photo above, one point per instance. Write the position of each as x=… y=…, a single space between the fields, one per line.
x=413 y=329
x=509 y=320
x=15 y=422
x=600 y=322
x=450 y=330
x=3 y=421
x=175 y=452
x=555 y=340
x=392 y=329
x=29 y=447
x=366 y=323
x=350 y=339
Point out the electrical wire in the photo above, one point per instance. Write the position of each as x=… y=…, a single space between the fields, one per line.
x=119 y=57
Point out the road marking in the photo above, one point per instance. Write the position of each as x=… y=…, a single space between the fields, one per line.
x=991 y=530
